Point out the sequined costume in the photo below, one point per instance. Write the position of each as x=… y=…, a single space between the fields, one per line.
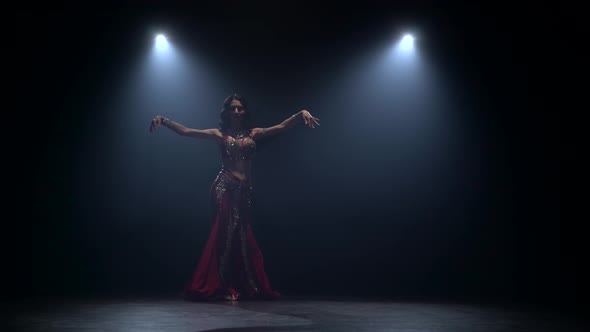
x=231 y=263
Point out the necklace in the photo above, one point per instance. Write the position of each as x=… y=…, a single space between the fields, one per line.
x=238 y=133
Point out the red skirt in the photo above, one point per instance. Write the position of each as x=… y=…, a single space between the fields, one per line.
x=232 y=263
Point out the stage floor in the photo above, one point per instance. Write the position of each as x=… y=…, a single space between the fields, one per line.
x=171 y=314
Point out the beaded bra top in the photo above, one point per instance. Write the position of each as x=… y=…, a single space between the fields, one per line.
x=237 y=145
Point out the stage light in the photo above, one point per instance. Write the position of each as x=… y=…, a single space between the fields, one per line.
x=407 y=43
x=161 y=43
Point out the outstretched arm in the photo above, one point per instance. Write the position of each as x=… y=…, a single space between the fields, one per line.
x=178 y=128
x=304 y=115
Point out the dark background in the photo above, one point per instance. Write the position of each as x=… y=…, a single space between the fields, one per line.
x=334 y=215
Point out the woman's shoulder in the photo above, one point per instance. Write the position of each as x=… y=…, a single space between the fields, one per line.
x=256 y=133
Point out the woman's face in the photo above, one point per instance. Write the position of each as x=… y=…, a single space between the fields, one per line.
x=237 y=110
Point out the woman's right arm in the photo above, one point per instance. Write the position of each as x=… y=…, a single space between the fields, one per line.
x=213 y=134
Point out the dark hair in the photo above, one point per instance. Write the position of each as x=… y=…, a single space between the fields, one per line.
x=224 y=116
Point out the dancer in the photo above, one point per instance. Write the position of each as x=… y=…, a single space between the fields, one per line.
x=231 y=266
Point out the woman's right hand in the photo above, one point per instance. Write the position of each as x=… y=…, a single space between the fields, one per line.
x=156 y=122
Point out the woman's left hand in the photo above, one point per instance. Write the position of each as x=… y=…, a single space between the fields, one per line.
x=309 y=119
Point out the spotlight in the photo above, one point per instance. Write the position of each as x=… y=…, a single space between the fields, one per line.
x=407 y=43
x=161 y=43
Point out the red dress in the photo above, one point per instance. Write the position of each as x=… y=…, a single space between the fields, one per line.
x=231 y=263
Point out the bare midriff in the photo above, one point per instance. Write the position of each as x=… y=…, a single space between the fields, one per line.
x=238 y=168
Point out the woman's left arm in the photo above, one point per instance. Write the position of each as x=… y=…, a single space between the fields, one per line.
x=304 y=115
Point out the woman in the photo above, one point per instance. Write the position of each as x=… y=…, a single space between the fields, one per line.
x=231 y=266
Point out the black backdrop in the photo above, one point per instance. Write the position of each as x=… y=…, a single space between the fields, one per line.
x=79 y=228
